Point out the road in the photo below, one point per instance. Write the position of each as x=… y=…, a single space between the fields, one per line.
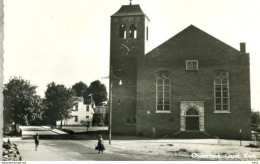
x=56 y=145
x=52 y=148
x=81 y=150
x=65 y=150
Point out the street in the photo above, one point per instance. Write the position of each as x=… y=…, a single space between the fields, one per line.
x=81 y=150
x=56 y=145
x=53 y=149
x=29 y=131
x=65 y=150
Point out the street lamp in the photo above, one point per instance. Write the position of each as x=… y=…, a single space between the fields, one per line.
x=111 y=76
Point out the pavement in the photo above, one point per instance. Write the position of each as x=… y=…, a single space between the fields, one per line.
x=57 y=131
x=75 y=148
x=119 y=150
x=29 y=131
x=80 y=129
x=78 y=150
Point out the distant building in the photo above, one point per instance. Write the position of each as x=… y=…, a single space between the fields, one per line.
x=101 y=110
x=100 y=116
x=193 y=82
x=81 y=113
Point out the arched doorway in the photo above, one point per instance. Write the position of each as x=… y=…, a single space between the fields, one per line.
x=192 y=119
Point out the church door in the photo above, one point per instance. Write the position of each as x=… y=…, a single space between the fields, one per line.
x=192 y=119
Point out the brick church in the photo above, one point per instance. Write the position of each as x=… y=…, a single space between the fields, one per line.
x=192 y=83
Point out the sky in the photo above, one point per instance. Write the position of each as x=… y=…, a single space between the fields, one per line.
x=67 y=41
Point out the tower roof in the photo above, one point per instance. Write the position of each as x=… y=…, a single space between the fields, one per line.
x=127 y=10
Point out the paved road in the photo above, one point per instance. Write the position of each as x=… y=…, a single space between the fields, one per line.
x=81 y=150
x=32 y=130
x=51 y=149
x=45 y=132
x=56 y=149
x=80 y=129
x=64 y=150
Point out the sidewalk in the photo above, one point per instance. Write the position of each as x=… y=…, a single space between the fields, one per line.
x=80 y=129
x=54 y=130
x=206 y=141
x=29 y=131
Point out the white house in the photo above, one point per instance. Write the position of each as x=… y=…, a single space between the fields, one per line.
x=81 y=113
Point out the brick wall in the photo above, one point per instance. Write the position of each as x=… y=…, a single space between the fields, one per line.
x=212 y=54
x=124 y=65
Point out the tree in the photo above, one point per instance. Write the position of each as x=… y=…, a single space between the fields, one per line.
x=58 y=102
x=98 y=119
x=79 y=88
x=98 y=92
x=22 y=106
x=255 y=117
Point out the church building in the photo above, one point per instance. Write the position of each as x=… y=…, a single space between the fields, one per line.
x=192 y=83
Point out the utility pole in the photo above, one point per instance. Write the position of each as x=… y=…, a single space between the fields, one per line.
x=110 y=104
x=111 y=76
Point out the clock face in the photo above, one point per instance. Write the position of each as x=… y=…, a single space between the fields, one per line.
x=127 y=47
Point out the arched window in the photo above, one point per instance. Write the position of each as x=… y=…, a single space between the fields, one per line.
x=163 y=91
x=122 y=31
x=221 y=92
x=192 y=112
x=133 y=31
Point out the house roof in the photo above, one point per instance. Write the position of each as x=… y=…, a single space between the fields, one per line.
x=78 y=99
x=129 y=10
x=193 y=35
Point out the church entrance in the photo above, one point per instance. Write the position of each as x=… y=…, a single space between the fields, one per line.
x=192 y=119
x=192 y=116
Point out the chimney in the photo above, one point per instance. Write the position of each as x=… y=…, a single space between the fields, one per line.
x=242 y=48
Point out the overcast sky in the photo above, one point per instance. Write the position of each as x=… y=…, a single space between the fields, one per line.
x=67 y=41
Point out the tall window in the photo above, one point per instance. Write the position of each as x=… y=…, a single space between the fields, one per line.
x=87 y=108
x=122 y=31
x=76 y=118
x=221 y=89
x=133 y=31
x=163 y=91
x=76 y=107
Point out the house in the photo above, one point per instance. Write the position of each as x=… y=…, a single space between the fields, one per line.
x=81 y=113
x=193 y=82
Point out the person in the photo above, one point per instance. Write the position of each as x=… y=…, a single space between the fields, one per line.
x=100 y=145
x=36 y=140
x=88 y=125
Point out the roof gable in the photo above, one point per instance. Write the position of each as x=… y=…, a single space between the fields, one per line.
x=192 y=38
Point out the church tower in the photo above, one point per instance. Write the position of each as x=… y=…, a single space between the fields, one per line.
x=128 y=44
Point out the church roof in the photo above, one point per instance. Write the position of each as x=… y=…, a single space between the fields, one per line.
x=192 y=36
x=127 y=10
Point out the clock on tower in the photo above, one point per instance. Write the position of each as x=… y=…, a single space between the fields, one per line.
x=127 y=47
x=129 y=37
